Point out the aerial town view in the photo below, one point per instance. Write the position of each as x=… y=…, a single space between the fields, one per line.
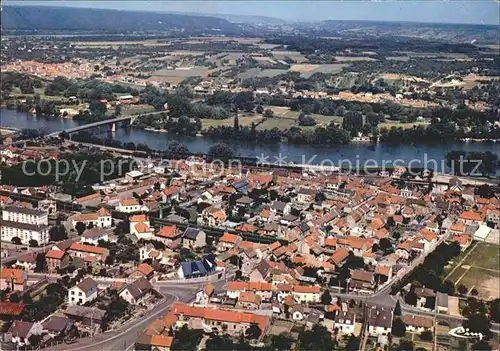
x=250 y=175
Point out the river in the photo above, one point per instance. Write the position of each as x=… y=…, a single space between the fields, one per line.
x=313 y=154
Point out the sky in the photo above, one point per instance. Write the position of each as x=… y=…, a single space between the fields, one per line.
x=437 y=11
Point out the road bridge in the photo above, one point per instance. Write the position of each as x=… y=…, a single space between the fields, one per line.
x=111 y=121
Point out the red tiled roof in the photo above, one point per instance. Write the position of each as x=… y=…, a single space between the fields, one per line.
x=229 y=238
x=11 y=308
x=470 y=215
x=168 y=231
x=55 y=254
x=129 y=202
x=145 y=269
x=9 y=273
x=161 y=341
x=340 y=255
x=139 y=218
x=87 y=248
x=314 y=289
x=236 y=285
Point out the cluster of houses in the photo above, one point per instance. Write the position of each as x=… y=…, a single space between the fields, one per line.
x=286 y=233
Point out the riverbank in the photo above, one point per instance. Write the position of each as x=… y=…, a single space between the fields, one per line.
x=437 y=177
x=269 y=151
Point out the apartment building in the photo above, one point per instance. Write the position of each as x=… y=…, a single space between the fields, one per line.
x=26 y=224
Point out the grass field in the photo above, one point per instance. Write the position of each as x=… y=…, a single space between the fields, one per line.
x=307 y=70
x=389 y=125
x=136 y=109
x=354 y=58
x=480 y=269
x=294 y=55
x=284 y=118
x=229 y=122
x=280 y=123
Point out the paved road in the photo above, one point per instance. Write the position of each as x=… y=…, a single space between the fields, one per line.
x=124 y=337
x=495 y=327
x=8 y=260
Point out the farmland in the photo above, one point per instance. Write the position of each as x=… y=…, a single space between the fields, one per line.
x=307 y=70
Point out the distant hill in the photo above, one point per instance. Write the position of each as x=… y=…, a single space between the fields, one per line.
x=248 y=19
x=435 y=31
x=77 y=19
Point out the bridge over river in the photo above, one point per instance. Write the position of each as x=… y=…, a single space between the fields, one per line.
x=111 y=121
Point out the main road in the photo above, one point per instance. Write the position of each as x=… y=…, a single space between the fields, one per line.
x=124 y=337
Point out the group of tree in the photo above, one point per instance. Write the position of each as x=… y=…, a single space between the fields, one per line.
x=474 y=162
x=44 y=172
x=429 y=273
x=322 y=135
x=46 y=304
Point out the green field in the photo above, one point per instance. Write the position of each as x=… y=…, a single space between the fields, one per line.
x=480 y=270
x=389 y=125
x=229 y=122
x=136 y=109
x=280 y=123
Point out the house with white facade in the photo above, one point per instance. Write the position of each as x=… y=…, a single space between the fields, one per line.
x=417 y=323
x=345 y=321
x=93 y=236
x=83 y=292
x=379 y=320
x=129 y=206
x=26 y=224
x=307 y=294
x=140 y=227
x=100 y=219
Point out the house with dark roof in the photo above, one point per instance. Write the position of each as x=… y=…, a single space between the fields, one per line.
x=20 y=332
x=280 y=208
x=261 y=272
x=379 y=320
x=193 y=238
x=85 y=315
x=305 y=195
x=93 y=236
x=136 y=291
x=55 y=325
x=197 y=268
x=83 y=292
x=241 y=186
x=27 y=261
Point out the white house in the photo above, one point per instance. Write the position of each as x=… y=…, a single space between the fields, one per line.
x=304 y=293
x=101 y=218
x=210 y=196
x=129 y=206
x=345 y=321
x=83 y=292
x=140 y=227
x=379 y=320
x=203 y=296
x=93 y=236
x=417 y=323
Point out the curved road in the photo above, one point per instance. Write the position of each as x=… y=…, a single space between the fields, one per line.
x=124 y=337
